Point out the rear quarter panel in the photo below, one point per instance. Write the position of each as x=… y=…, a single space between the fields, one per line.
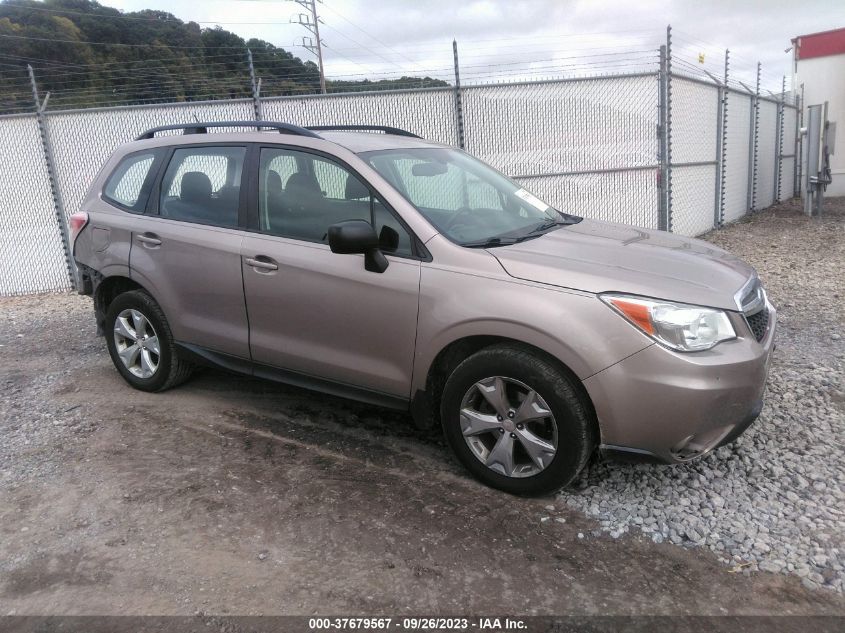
x=105 y=242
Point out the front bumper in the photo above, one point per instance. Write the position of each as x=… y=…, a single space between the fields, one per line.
x=667 y=406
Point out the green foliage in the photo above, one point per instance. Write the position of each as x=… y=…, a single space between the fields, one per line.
x=166 y=60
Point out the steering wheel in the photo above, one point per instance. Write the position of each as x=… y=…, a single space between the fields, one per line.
x=461 y=216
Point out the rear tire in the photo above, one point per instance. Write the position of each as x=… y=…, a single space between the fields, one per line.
x=542 y=409
x=141 y=345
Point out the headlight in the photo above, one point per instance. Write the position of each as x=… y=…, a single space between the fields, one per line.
x=682 y=327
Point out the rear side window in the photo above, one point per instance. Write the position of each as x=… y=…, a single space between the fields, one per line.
x=129 y=184
x=202 y=185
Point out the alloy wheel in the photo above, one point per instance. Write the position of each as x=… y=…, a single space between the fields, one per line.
x=508 y=426
x=137 y=343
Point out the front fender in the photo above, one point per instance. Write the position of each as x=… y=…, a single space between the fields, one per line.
x=574 y=327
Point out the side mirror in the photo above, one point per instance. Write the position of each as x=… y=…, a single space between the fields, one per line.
x=355 y=237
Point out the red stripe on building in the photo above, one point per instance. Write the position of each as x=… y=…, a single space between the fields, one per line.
x=819 y=44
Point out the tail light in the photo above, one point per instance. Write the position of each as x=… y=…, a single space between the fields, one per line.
x=77 y=223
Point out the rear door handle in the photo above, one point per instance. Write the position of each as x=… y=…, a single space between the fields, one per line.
x=150 y=239
x=261 y=262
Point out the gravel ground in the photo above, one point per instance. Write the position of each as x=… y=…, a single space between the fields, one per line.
x=775 y=499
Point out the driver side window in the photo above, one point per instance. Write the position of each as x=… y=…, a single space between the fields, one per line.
x=302 y=194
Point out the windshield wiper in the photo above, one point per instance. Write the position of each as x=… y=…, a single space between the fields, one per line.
x=536 y=232
x=490 y=243
x=550 y=224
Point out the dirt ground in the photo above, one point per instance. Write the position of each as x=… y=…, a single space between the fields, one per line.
x=231 y=495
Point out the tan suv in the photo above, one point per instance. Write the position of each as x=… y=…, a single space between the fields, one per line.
x=368 y=263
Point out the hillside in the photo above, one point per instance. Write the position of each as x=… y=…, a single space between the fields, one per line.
x=86 y=54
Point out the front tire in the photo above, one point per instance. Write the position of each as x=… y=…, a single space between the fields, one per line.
x=141 y=345
x=517 y=421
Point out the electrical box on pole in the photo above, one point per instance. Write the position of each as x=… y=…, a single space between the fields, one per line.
x=820 y=143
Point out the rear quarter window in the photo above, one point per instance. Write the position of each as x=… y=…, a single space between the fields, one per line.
x=129 y=184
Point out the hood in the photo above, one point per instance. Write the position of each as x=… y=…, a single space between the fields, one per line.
x=596 y=256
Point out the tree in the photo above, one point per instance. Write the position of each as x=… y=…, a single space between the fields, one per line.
x=86 y=54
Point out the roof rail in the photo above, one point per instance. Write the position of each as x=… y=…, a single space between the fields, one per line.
x=375 y=128
x=202 y=128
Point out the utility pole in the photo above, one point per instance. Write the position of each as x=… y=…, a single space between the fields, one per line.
x=314 y=44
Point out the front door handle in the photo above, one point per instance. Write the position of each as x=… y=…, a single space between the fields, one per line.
x=149 y=239
x=261 y=262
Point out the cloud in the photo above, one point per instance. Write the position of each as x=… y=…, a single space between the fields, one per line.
x=501 y=39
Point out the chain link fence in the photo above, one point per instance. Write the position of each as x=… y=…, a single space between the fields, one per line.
x=695 y=163
x=586 y=147
x=589 y=146
x=788 y=148
x=737 y=155
x=428 y=112
x=31 y=255
x=767 y=155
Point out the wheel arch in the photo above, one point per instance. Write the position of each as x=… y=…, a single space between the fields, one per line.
x=425 y=404
x=107 y=291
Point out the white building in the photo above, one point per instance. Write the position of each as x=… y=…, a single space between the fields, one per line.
x=819 y=64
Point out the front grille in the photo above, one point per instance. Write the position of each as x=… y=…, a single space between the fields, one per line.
x=758 y=322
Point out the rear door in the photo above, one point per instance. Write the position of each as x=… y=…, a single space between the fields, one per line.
x=186 y=249
x=315 y=312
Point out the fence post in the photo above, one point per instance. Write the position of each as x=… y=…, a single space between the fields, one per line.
x=256 y=88
x=721 y=143
x=50 y=162
x=459 y=107
x=779 y=143
x=752 y=168
x=669 y=128
x=661 y=140
x=797 y=167
x=664 y=135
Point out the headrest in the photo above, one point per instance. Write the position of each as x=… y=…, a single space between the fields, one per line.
x=195 y=187
x=355 y=189
x=274 y=182
x=302 y=183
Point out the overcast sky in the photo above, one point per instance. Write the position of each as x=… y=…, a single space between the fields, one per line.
x=508 y=39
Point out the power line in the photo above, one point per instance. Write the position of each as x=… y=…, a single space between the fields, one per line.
x=343 y=17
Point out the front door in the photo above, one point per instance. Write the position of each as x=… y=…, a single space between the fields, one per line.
x=315 y=312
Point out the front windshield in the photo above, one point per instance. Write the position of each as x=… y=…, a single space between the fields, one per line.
x=466 y=200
